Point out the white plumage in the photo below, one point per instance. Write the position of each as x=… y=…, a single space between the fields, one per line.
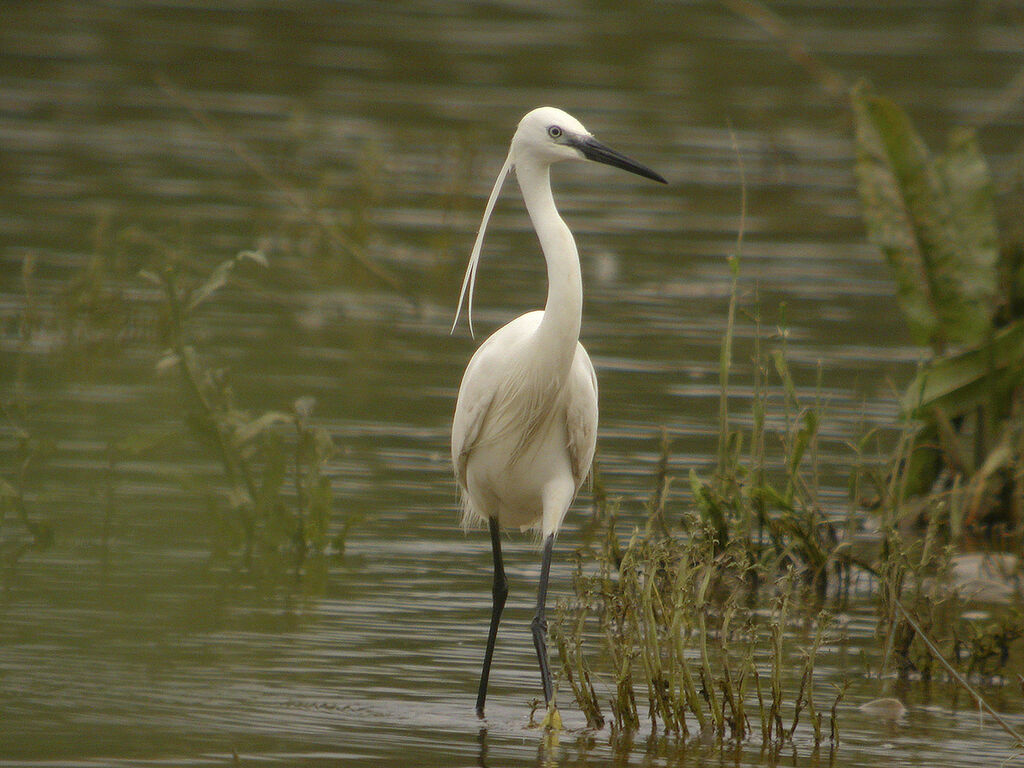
x=525 y=431
x=525 y=424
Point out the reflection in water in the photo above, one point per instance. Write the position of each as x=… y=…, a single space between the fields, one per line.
x=564 y=748
x=549 y=749
x=482 y=737
x=129 y=641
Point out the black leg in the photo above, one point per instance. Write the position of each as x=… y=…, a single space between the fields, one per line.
x=539 y=625
x=499 y=593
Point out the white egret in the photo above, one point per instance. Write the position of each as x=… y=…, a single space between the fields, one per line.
x=525 y=423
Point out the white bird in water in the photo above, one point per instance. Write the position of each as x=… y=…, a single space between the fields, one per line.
x=525 y=423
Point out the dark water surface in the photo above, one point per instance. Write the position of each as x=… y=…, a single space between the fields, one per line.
x=124 y=643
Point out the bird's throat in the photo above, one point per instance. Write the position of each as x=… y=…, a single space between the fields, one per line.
x=559 y=331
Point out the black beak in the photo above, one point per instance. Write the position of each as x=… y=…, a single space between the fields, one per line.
x=593 y=149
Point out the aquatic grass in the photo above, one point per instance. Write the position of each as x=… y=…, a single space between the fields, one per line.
x=667 y=594
x=952 y=239
x=278 y=495
x=22 y=528
x=676 y=620
x=577 y=672
x=677 y=616
x=671 y=604
x=1018 y=739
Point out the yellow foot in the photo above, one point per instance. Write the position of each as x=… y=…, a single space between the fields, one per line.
x=552 y=720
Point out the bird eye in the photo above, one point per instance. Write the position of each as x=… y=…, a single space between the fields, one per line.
x=554 y=132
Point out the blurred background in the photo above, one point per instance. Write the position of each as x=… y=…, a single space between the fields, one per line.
x=154 y=608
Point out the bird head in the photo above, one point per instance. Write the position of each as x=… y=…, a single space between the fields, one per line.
x=544 y=136
x=549 y=135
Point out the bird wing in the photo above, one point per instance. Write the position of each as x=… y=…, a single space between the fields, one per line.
x=470 y=413
x=581 y=415
x=485 y=379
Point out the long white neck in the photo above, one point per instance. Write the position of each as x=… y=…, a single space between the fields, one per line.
x=559 y=331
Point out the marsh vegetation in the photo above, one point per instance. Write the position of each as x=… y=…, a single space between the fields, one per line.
x=231 y=252
x=691 y=607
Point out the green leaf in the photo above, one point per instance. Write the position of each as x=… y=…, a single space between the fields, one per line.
x=932 y=221
x=701 y=495
x=890 y=223
x=142 y=441
x=999 y=458
x=150 y=277
x=248 y=431
x=924 y=462
x=257 y=256
x=217 y=279
x=959 y=382
x=770 y=495
x=168 y=360
x=804 y=436
x=972 y=201
x=782 y=368
x=7 y=490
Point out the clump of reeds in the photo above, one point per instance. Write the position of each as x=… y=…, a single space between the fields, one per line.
x=672 y=617
x=673 y=604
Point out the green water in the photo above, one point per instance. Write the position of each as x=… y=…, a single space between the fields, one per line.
x=128 y=642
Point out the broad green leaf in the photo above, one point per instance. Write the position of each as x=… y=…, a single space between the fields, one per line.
x=1013 y=266
x=972 y=200
x=924 y=462
x=944 y=285
x=956 y=383
x=887 y=215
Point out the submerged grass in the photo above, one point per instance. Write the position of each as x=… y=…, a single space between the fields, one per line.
x=278 y=496
x=271 y=508
x=22 y=529
x=674 y=611
x=670 y=613
x=271 y=505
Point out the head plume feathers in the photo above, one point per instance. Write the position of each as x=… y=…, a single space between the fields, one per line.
x=469 y=281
